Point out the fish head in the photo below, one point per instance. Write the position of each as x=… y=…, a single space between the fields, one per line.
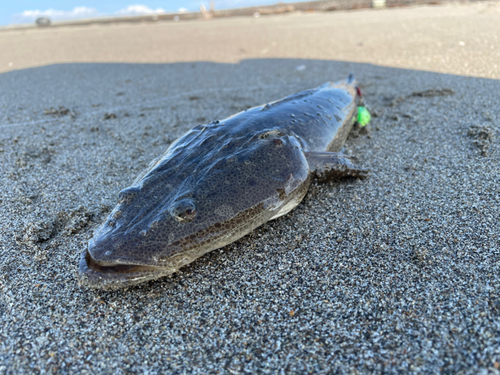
x=190 y=204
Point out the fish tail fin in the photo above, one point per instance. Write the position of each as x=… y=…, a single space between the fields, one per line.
x=351 y=81
x=363 y=114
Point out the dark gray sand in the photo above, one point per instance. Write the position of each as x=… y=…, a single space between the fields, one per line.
x=398 y=272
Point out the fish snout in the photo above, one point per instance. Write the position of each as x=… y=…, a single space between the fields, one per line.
x=107 y=251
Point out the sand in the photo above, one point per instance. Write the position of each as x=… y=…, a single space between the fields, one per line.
x=397 y=272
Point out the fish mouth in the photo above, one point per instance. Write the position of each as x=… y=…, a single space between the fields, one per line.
x=93 y=275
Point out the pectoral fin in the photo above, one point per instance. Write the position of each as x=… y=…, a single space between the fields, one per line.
x=332 y=166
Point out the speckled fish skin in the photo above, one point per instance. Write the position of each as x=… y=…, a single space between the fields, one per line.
x=219 y=182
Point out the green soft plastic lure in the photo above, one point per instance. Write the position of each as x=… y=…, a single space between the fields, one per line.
x=364 y=116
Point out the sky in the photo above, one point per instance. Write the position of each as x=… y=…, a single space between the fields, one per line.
x=27 y=11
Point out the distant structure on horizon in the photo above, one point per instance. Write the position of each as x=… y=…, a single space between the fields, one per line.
x=43 y=21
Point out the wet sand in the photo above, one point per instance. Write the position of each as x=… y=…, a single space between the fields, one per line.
x=398 y=272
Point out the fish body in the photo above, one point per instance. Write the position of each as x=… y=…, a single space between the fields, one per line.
x=219 y=182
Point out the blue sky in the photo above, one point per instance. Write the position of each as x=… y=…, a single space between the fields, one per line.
x=26 y=11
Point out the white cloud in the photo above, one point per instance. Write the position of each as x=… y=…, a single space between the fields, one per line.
x=132 y=10
x=182 y=10
x=54 y=14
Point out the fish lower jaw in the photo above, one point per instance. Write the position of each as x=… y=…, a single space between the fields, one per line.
x=96 y=276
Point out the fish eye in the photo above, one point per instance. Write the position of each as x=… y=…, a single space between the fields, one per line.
x=183 y=211
x=271 y=134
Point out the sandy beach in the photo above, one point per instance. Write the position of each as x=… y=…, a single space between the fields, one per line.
x=396 y=273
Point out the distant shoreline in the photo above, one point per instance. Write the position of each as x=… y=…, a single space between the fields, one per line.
x=256 y=11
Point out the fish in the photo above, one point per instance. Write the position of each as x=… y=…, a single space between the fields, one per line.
x=220 y=181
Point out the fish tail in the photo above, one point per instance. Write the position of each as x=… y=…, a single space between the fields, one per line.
x=351 y=81
x=363 y=114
